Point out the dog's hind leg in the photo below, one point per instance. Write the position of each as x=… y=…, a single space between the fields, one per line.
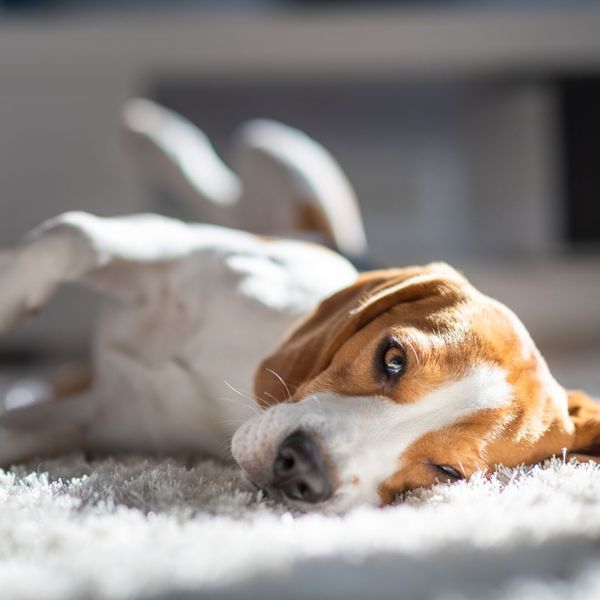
x=41 y=426
x=175 y=155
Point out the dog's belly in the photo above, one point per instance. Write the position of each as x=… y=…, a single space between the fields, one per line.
x=175 y=372
x=191 y=398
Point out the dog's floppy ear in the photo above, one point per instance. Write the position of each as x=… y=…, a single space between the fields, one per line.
x=309 y=348
x=585 y=416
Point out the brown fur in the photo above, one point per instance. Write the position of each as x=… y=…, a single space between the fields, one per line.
x=446 y=327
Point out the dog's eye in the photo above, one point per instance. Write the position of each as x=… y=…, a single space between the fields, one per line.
x=449 y=471
x=394 y=360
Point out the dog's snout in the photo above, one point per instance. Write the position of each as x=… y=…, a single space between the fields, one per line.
x=299 y=471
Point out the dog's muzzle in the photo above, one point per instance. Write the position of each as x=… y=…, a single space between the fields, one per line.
x=284 y=451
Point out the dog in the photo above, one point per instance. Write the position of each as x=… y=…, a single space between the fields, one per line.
x=329 y=387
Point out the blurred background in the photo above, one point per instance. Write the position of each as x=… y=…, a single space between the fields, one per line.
x=470 y=131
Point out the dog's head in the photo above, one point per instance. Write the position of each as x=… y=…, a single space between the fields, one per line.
x=408 y=377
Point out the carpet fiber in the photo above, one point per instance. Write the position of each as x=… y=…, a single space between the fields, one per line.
x=144 y=528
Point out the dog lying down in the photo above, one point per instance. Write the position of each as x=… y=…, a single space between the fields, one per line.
x=332 y=388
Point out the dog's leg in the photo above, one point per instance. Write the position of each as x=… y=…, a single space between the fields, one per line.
x=45 y=428
x=107 y=253
x=31 y=272
x=28 y=276
x=176 y=155
x=286 y=183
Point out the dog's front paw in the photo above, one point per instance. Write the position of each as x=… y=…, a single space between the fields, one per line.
x=24 y=286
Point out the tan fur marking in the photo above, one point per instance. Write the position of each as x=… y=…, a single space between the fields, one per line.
x=447 y=328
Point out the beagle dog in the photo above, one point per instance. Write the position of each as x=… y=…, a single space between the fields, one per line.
x=328 y=387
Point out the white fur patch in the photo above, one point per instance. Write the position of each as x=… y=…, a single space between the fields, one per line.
x=365 y=437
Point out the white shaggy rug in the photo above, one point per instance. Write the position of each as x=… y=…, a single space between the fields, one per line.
x=144 y=528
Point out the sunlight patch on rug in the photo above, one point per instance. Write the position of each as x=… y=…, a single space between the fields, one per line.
x=146 y=528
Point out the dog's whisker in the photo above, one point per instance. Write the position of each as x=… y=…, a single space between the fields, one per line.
x=232 y=421
x=233 y=388
x=241 y=393
x=254 y=400
x=252 y=409
x=272 y=397
x=225 y=448
x=287 y=389
x=233 y=400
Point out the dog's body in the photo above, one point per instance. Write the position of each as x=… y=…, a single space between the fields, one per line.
x=383 y=382
x=194 y=310
x=337 y=388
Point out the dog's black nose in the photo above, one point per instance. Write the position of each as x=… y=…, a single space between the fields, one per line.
x=299 y=472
